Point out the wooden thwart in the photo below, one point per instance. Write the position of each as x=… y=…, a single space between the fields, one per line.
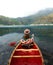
x=26 y=56
x=26 y=49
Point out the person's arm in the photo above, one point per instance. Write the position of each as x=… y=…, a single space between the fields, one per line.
x=33 y=36
x=21 y=40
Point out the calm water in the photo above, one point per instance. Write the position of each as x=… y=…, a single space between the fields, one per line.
x=43 y=38
x=36 y=29
x=43 y=34
x=44 y=42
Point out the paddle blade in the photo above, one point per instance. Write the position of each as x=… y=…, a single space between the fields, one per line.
x=12 y=44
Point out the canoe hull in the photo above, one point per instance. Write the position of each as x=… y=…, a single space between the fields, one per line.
x=22 y=56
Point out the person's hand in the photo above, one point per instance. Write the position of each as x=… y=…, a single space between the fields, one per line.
x=32 y=35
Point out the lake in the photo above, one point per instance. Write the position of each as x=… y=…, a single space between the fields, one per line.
x=43 y=33
x=37 y=29
x=43 y=38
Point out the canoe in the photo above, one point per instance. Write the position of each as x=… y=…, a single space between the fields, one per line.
x=21 y=56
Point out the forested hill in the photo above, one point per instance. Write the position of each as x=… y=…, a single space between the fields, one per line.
x=42 y=17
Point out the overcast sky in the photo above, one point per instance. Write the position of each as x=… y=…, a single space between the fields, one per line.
x=21 y=8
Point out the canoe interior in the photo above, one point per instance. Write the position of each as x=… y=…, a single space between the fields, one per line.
x=22 y=56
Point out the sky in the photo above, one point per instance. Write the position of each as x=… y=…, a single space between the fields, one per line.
x=21 y=8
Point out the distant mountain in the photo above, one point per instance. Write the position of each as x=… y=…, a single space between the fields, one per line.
x=45 y=12
x=42 y=17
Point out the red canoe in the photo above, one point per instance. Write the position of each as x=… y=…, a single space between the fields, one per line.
x=22 y=56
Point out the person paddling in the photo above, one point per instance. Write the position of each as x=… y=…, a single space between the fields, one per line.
x=27 y=39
